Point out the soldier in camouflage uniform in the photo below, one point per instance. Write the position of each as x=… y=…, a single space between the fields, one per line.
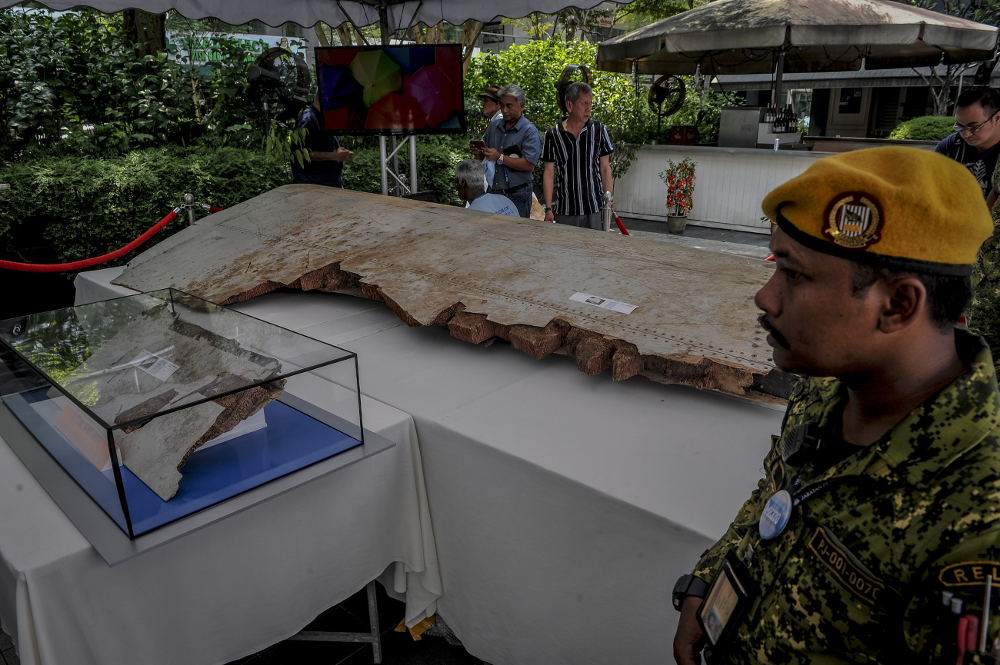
x=892 y=502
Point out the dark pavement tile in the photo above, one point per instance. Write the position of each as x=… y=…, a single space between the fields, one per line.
x=703 y=232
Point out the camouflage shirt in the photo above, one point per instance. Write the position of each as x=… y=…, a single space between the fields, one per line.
x=858 y=573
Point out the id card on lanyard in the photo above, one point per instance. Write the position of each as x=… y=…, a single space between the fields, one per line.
x=732 y=590
x=726 y=602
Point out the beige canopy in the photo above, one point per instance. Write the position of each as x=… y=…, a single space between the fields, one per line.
x=750 y=36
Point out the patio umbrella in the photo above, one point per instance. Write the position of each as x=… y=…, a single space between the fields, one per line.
x=765 y=36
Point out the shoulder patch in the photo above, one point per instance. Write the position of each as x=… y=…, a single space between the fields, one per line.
x=969 y=573
x=845 y=569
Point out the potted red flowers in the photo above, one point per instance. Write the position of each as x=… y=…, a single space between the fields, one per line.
x=679 y=179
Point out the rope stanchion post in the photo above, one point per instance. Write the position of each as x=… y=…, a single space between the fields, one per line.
x=189 y=204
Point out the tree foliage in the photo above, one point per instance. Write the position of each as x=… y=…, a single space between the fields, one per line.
x=980 y=11
x=74 y=82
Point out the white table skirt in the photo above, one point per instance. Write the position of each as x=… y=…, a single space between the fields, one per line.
x=226 y=591
x=564 y=506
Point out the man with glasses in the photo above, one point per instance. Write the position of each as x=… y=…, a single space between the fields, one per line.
x=976 y=141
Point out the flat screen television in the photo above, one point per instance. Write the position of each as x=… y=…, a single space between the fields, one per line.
x=391 y=89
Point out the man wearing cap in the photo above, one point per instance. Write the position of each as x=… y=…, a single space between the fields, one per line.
x=880 y=496
x=489 y=100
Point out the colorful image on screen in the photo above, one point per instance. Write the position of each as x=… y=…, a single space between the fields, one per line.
x=391 y=89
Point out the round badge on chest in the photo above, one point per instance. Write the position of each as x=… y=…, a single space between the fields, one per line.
x=777 y=511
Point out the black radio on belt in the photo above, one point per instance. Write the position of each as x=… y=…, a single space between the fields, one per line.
x=801 y=444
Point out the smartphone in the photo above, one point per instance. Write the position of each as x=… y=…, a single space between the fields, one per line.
x=477 y=145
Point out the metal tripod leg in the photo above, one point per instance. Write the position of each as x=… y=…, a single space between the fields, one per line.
x=371 y=637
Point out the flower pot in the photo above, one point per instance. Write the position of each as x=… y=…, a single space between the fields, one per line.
x=676 y=224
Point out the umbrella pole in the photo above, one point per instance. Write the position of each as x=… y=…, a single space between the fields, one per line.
x=383 y=21
x=779 y=70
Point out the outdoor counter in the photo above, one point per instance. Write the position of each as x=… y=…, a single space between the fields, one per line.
x=730 y=183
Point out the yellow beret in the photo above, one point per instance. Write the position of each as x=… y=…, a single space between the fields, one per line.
x=901 y=208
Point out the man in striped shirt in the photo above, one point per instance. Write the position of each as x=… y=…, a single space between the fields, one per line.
x=582 y=150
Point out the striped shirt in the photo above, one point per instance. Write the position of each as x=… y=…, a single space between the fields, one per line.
x=578 y=167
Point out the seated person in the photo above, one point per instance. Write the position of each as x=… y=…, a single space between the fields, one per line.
x=470 y=183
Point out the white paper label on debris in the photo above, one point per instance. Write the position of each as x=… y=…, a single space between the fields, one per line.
x=154 y=365
x=606 y=303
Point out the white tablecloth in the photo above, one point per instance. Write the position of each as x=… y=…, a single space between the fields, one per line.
x=226 y=591
x=564 y=506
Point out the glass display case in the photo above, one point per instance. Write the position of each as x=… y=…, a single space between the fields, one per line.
x=160 y=405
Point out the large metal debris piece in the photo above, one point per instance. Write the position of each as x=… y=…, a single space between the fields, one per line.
x=482 y=276
x=207 y=366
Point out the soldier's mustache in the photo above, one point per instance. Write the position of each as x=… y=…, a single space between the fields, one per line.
x=769 y=327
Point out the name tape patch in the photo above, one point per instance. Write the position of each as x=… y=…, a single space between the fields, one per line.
x=969 y=573
x=865 y=587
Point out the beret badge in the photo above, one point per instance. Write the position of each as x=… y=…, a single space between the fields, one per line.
x=853 y=220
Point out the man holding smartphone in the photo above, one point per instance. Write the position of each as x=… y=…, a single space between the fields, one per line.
x=513 y=145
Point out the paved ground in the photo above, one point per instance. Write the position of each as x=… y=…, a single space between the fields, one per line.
x=7 y=654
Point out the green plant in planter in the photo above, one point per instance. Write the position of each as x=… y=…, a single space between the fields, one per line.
x=679 y=179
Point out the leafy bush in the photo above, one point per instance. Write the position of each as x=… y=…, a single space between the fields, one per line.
x=436 y=160
x=619 y=101
x=536 y=66
x=61 y=209
x=72 y=82
x=924 y=128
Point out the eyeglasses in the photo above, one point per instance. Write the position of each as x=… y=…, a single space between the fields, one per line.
x=972 y=129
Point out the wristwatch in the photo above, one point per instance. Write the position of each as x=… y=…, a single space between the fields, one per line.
x=500 y=160
x=688 y=585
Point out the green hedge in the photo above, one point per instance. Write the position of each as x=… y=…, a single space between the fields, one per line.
x=71 y=208
x=61 y=209
x=436 y=160
x=924 y=128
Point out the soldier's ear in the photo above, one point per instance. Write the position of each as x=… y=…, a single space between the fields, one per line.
x=904 y=302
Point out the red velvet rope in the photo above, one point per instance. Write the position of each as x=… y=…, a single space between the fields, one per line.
x=87 y=263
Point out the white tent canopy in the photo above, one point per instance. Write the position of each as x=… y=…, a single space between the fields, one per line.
x=399 y=15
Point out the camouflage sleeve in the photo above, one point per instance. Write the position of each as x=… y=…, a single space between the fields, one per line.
x=967 y=551
x=984 y=312
x=711 y=560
